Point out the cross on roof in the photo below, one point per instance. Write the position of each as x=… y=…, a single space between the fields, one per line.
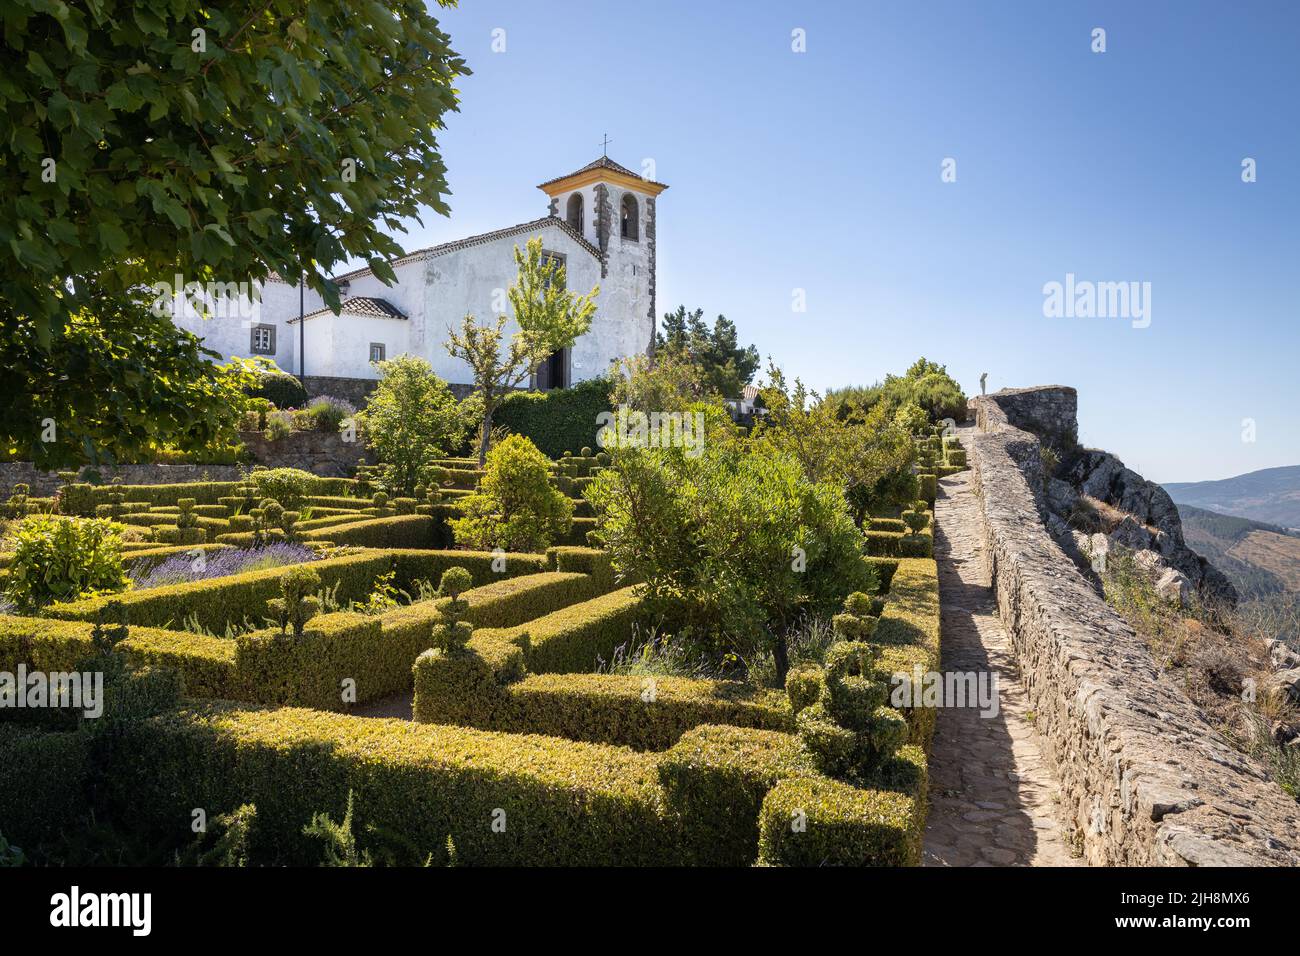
x=605 y=145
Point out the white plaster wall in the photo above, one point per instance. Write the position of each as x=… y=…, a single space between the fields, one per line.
x=339 y=345
x=473 y=280
x=437 y=292
x=228 y=331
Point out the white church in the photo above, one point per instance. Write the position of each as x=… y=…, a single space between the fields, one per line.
x=600 y=222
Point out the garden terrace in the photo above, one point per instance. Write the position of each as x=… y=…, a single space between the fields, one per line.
x=590 y=768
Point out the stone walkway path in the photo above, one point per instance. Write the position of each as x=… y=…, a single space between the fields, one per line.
x=993 y=798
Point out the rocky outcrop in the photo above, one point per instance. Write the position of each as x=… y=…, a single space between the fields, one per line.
x=1151 y=521
x=1147 y=522
x=1145 y=779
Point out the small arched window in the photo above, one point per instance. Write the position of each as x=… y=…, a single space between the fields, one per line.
x=573 y=214
x=629 y=219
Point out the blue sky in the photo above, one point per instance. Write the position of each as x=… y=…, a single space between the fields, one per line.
x=821 y=171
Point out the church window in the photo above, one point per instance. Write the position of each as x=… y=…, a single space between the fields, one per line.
x=574 y=212
x=628 y=220
x=377 y=351
x=262 y=340
x=548 y=258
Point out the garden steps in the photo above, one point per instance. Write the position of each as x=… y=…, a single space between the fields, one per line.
x=993 y=797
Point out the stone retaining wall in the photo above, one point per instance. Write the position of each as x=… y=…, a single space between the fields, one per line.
x=45 y=483
x=1145 y=779
x=320 y=453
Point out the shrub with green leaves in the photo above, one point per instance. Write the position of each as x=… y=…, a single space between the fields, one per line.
x=297 y=602
x=288 y=486
x=515 y=507
x=279 y=388
x=848 y=731
x=411 y=420
x=733 y=544
x=62 y=558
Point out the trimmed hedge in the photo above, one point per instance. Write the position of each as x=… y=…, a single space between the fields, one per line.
x=556 y=421
x=927 y=487
x=81 y=498
x=206 y=664
x=401 y=531
x=715 y=779
x=888 y=524
x=564 y=803
x=896 y=544
x=909 y=632
x=814 y=821
x=571 y=639
x=220 y=601
x=43 y=786
x=639 y=712
x=577 y=533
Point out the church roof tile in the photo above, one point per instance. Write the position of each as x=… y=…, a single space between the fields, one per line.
x=362 y=305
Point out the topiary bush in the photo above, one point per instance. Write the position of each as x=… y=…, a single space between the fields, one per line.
x=515 y=507
x=848 y=732
x=297 y=602
x=288 y=486
x=453 y=632
x=280 y=389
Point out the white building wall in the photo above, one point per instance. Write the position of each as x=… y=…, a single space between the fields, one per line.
x=436 y=293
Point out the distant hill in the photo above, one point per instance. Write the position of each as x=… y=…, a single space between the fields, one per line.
x=1260 y=559
x=1271 y=496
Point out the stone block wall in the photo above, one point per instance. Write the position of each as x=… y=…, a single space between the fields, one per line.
x=45 y=483
x=321 y=453
x=1145 y=779
x=328 y=456
x=1051 y=411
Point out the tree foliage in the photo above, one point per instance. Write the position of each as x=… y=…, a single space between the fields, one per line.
x=115 y=383
x=724 y=367
x=732 y=545
x=141 y=139
x=411 y=420
x=515 y=506
x=926 y=384
x=860 y=451
x=667 y=383
x=549 y=318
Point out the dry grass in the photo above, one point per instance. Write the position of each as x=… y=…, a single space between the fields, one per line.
x=1221 y=663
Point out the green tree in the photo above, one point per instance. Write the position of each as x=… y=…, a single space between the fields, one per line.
x=668 y=383
x=115 y=382
x=145 y=138
x=412 y=419
x=859 y=452
x=515 y=507
x=926 y=384
x=732 y=545
x=550 y=318
x=724 y=366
